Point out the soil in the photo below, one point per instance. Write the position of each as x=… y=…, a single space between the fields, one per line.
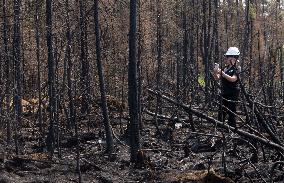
x=175 y=155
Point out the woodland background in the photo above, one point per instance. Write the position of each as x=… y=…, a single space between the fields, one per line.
x=104 y=86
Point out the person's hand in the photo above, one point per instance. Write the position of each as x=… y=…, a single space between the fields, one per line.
x=217 y=71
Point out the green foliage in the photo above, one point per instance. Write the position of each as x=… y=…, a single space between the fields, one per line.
x=252 y=11
x=201 y=80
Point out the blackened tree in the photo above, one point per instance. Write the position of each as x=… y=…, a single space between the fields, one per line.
x=17 y=71
x=37 y=37
x=132 y=85
x=85 y=79
x=50 y=140
x=6 y=70
x=108 y=130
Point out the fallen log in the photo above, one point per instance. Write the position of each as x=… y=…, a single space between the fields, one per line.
x=220 y=124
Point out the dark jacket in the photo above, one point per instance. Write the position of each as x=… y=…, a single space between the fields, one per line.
x=230 y=88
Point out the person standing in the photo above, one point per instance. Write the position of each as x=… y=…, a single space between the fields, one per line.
x=230 y=89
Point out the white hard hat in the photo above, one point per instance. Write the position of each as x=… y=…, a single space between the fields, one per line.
x=234 y=51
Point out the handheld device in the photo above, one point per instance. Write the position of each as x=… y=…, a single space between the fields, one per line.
x=216 y=66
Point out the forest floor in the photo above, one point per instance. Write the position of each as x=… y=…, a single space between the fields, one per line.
x=176 y=155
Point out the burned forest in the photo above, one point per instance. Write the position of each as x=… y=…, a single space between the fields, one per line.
x=115 y=91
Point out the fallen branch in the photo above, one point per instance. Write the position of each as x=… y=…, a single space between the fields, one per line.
x=165 y=117
x=245 y=134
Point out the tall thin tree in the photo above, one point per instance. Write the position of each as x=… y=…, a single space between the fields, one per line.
x=206 y=26
x=108 y=130
x=17 y=70
x=71 y=114
x=132 y=84
x=185 y=47
x=7 y=70
x=139 y=65
x=246 y=33
x=37 y=37
x=85 y=80
x=159 y=64
x=50 y=140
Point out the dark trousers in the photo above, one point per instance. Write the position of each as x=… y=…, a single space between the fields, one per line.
x=228 y=102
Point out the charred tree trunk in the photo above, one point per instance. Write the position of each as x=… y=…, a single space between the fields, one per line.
x=108 y=130
x=57 y=97
x=226 y=24
x=50 y=139
x=194 y=38
x=139 y=65
x=206 y=43
x=178 y=72
x=71 y=112
x=215 y=40
x=37 y=37
x=132 y=84
x=159 y=64
x=159 y=45
x=215 y=37
x=185 y=50
x=17 y=71
x=185 y=47
x=238 y=20
x=282 y=70
x=85 y=79
x=251 y=60
x=7 y=71
x=246 y=34
x=260 y=62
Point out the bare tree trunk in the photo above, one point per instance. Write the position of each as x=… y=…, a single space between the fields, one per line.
x=71 y=115
x=78 y=169
x=108 y=129
x=206 y=42
x=78 y=153
x=50 y=139
x=244 y=48
x=215 y=37
x=260 y=62
x=198 y=36
x=159 y=64
x=37 y=37
x=132 y=84
x=57 y=98
x=238 y=21
x=282 y=70
x=178 y=72
x=185 y=50
x=17 y=71
x=251 y=60
x=123 y=99
x=194 y=44
x=139 y=65
x=215 y=40
x=7 y=71
x=85 y=79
